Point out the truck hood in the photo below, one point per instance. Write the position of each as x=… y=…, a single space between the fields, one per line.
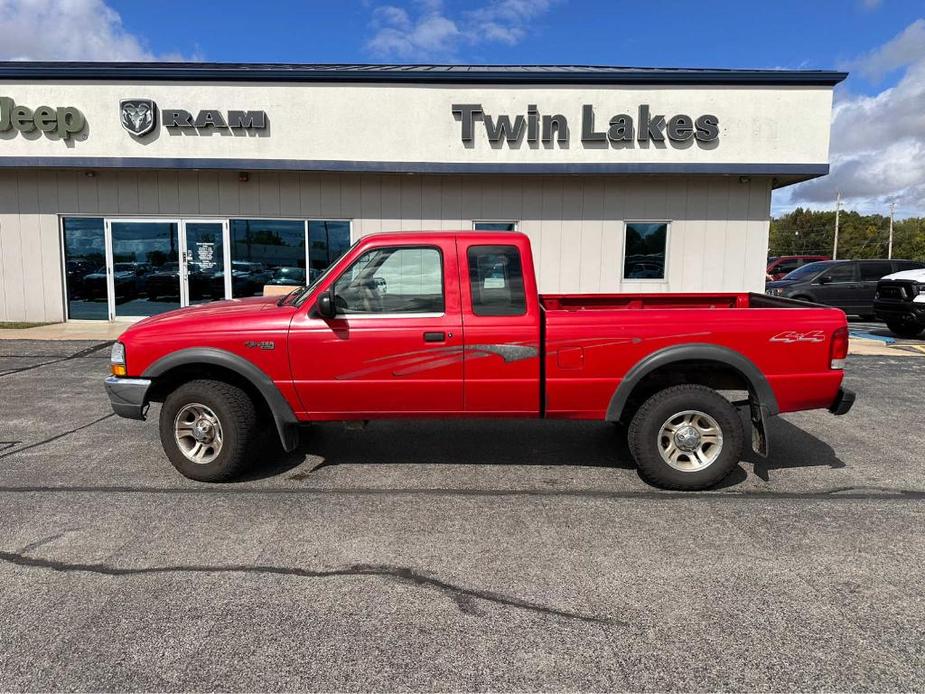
x=230 y=314
x=915 y=275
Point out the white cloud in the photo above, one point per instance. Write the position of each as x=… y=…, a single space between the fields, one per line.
x=68 y=30
x=878 y=142
x=429 y=32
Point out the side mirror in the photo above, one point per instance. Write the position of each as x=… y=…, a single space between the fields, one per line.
x=825 y=279
x=325 y=306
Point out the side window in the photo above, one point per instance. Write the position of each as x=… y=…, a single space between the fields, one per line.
x=392 y=280
x=644 y=251
x=496 y=281
x=843 y=272
x=873 y=270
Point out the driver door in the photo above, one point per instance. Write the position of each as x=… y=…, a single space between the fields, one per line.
x=395 y=346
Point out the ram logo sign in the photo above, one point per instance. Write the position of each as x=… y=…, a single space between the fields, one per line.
x=138 y=116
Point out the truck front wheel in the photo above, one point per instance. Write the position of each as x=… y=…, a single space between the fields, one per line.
x=686 y=437
x=906 y=329
x=208 y=429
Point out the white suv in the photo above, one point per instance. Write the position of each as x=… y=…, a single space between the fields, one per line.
x=900 y=301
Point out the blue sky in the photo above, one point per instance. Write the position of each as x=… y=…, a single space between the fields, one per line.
x=878 y=129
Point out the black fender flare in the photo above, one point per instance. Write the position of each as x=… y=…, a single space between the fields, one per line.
x=756 y=380
x=283 y=416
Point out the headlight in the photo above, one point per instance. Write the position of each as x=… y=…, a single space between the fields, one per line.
x=921 y=288
x=117 y=359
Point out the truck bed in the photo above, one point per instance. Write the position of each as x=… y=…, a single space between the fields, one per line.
x=610 y=302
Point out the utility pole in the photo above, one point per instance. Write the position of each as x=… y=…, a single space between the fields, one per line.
x=889 y=249
x=837 y=210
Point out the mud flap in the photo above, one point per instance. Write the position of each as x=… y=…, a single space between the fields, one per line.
x=759 y=430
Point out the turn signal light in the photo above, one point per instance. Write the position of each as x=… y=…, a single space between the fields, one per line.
x=839 y=348
x=118 y=370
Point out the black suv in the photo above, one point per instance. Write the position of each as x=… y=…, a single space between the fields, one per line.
x=846 y=284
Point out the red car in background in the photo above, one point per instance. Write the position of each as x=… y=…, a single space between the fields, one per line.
x=782 y=265
x=450 y=324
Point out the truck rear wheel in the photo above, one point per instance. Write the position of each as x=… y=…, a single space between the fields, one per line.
x=208 y=429
x=686 y=437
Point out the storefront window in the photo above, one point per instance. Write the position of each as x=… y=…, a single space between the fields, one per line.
x=494 y=226
x=327 y=241
x=644 y=256
x=263 y=250
x=85 y=268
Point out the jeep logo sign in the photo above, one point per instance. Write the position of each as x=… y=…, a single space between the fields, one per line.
x=139 y=117
x=63 y=121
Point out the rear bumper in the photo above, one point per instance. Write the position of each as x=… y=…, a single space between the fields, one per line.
x=842 y=402
x=128 y=396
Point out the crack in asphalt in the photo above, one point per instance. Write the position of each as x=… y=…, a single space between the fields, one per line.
x=56 y=436
x=76 y=355
x=835 y=493
x=463 y=597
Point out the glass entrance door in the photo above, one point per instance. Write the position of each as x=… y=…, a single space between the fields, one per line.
x=144 y=270
x=203 y=261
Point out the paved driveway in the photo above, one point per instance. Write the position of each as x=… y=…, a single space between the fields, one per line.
x=455 y=555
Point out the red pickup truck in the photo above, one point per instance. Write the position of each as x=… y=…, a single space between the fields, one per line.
x=450 y=324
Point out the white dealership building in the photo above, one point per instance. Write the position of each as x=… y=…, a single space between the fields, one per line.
x=131 y=189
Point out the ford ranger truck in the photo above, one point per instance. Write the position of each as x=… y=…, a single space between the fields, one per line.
x=411 y=325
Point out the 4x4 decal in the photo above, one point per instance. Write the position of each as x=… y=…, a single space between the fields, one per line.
x=794 y=336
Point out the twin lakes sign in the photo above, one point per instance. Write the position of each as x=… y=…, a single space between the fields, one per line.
x=140 y=116
x=620 y=130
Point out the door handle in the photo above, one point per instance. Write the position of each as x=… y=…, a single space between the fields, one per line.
x=435 y=337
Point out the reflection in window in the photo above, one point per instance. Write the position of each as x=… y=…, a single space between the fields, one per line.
x=392 y=280
x=644 y=256
x=495 y=226
x=262 y=247
x=85 y=269
x=496 y=281
x=327 y=241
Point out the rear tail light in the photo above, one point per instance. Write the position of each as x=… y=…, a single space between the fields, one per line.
x=839 y=348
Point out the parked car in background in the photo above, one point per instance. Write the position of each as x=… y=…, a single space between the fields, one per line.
x=125 y=281
x=781 y=266
x=247 y=279
x=900 y=302
x=288 y=276
x=846 y=284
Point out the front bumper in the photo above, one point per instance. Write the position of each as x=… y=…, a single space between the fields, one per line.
x=842 y=402
x=908 y=311
x=128 y=396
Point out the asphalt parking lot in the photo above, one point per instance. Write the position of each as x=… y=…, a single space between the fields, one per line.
x=455 y=555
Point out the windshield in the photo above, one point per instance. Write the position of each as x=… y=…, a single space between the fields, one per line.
x=807 y=270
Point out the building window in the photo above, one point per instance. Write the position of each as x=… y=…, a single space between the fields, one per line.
x=262 y=249
x=494 y=226
x=644 y=252
x=327 y=241
x=85 y=268
x=496 y=281
x=392 y=280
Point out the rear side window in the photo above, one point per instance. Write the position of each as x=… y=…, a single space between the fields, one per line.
x=496 y=281
x=907 y=265
x=873 y=270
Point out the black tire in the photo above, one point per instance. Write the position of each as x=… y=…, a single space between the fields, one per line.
x=237 y=417
x=644 y=437
x=903 y=329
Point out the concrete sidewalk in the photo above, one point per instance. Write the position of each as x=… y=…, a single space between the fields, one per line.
x=73 y=330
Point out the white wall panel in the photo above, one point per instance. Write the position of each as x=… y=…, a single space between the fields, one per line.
x=717 y=240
